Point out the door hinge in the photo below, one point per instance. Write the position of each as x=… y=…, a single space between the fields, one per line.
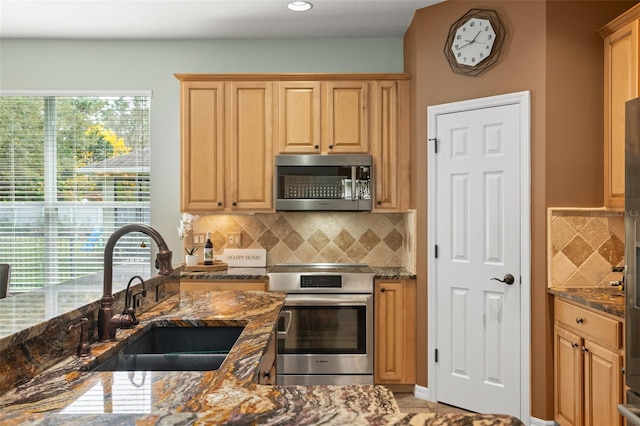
x=436 y=355
x=435 y=144
x=436 y=251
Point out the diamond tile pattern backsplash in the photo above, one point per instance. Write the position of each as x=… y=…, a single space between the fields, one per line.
x=325 y=237
x=583 y=247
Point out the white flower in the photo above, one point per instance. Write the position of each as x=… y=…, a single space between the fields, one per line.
x=186 y=224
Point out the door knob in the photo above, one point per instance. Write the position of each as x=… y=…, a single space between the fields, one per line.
x=508 y=279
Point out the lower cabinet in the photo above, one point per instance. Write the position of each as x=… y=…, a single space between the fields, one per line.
x=587 y=366
x=231 y=285
x=395 y=332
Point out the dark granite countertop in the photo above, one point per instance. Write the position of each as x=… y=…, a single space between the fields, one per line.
x=245 y=273
x=605 y=299
x=67 y=393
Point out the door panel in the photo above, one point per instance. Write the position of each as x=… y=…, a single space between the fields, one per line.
x=478 y=236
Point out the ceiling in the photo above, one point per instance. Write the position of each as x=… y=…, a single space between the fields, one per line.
x=204 y=19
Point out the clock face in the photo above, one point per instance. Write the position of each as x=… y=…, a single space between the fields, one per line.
x=473 y=42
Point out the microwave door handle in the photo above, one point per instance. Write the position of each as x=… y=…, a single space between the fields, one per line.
x=353 y=183
x=287 y=321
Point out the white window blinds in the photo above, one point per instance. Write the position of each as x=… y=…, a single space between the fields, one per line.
x=72 y=170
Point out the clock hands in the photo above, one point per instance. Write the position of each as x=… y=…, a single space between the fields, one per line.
x=473 y=40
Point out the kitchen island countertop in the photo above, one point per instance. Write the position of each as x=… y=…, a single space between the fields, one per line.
x=67 y=394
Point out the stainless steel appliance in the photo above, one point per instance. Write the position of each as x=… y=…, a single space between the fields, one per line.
x=323 y=182
x=325 y=329
x=632 y=258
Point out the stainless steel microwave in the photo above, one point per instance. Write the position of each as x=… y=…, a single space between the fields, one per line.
x=323 y=182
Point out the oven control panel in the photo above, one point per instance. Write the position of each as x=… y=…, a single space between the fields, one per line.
x=320 y=281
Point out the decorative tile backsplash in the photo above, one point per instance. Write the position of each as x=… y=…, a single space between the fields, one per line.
x=325 y=237
x=583 y=247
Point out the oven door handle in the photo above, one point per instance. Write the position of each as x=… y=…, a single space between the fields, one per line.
x=287 y=321
x=320 y=299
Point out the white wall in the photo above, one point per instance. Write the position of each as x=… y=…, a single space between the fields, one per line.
x=112 y=65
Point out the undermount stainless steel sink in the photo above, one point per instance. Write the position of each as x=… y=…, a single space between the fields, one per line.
x=175 y=349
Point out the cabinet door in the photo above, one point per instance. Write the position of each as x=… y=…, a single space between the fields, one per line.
x=603 y=386
x=299 y=117
x=395 y=332
x=390 y=149
x=568 y=366
x=621 y=85
x=250 y=146
x=201 y=146
x=346 y=127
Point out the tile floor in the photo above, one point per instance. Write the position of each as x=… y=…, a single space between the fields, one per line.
x=410 y=404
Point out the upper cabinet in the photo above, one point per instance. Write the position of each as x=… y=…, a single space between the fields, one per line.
x=346 y=128
x=323 y=117
x=202 y=162
x=233 y=125
x=299 y=117
x=620 y=85
x=226 y=148
x=390 y=145
x=250 y=146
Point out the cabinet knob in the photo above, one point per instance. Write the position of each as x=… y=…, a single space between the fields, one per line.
x=574 y=345
x=379 y=203
x=267 y=374
x=579 y=320
x=585 y=349
x=234 y=204
x=316 y=146
x=382 y=290
x=219 y=203
x=330 y=146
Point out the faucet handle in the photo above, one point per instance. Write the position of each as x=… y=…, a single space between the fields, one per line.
x=84 y=349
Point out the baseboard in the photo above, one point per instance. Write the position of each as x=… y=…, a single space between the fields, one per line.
x=421 y=392
x=539 y=422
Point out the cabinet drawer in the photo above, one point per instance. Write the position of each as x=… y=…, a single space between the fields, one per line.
x=215 y=285
x=605 y=330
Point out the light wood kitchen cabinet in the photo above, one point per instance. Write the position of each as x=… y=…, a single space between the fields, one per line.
x=390 y=145
x=620 y=85
x=226 y=145
x=299 y=117
x=587 y=366
x=202 y=159
x=323 y=117
x=233 y=124
x=221 y=285
x=346 y=127
x=395 y=332
x=250 y=146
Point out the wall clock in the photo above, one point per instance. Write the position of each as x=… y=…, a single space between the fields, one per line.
x=475 y=42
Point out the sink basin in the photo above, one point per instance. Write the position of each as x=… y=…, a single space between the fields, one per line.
x=175 y=349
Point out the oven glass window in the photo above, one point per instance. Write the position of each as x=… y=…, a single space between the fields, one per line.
x=324 y=330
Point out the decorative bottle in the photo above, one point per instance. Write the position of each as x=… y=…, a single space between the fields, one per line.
x=208 y=251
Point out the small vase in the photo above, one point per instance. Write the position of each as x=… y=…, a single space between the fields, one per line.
x=191 y=259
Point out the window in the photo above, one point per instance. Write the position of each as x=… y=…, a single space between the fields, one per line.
x=72 y=170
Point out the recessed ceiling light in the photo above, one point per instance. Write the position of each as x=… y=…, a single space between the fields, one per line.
x=300 y=6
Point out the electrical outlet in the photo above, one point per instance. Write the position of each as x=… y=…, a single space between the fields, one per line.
x=234 y=239
x=199 y=240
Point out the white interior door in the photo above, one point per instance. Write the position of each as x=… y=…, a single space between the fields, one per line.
x=476 y=228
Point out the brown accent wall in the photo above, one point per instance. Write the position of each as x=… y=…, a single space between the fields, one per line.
x=553 y=50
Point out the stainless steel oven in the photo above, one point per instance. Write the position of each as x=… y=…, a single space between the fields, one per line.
x=325 y=330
